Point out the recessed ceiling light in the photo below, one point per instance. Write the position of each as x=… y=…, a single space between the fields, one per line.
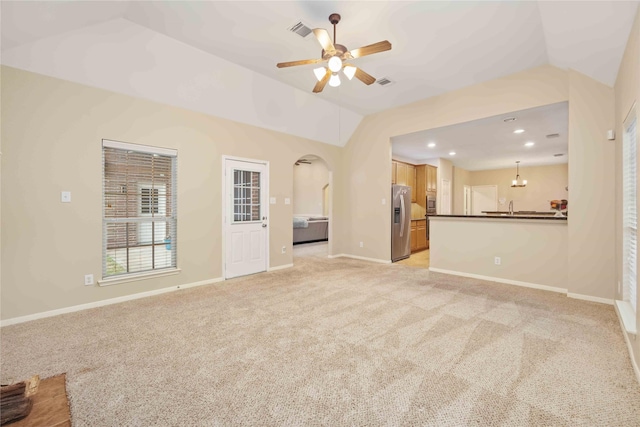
x=431 y=144
x=518 y=131
x=529 y=144
x=452 y=153
x=509 y=119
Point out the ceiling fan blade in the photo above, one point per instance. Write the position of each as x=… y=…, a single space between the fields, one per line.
x=322 y=83
x=301 y=62
x=325 y=40
x=370 y=49
x=364 y=77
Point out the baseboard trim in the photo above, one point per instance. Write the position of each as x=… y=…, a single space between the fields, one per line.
x=500 y=280
x=102 y=303
x=625 y=334
x=361 y=258
x=280 y=267
x=590 y=298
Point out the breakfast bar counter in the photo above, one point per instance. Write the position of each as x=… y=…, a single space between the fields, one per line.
x=525 y=250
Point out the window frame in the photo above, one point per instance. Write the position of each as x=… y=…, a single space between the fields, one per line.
x=169 y=220
x=630 y=209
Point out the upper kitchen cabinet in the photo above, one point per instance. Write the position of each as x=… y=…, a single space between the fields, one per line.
x=401 y=173
x=394 y=172
x=432 y=178
x=411 y=181
x=421 y=184
x=406 y=174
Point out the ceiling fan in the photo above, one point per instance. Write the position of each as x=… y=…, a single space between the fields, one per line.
x=303 y=161
x=336 y=56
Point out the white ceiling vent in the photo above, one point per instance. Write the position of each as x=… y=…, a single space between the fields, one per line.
x=553 y=135
x=300 y=29
x=385 y=81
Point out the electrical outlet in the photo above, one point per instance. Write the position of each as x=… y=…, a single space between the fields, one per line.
x=497 y=260
x=284 y=249
x=362 y=244
x=88 y=279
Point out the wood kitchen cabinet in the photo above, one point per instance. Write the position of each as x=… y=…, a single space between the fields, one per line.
x=401 y=173
x=421 y=185
x=432 y=178
x=394 y=172
x=421 y=231
x=418 y=235
x=414 y=236
x=411 y=181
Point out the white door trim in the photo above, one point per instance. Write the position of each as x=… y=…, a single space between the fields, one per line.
x=225 y=209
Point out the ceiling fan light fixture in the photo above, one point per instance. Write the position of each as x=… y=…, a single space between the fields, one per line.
x=334 y=81
x=335 y=64
x=349 y=71
x=320 y=72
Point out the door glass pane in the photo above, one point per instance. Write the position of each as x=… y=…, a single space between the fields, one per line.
x=246 y=196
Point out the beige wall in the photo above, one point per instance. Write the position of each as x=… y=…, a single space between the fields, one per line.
x=308 y=182
x=544 y=183
x=591 y=198
x=591 y=188
x=444 y=172
x=51 y=141
x=461 y=177
x=627 y=92
x=531 y=251
x=367 y=156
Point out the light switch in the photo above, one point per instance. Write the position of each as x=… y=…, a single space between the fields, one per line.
x=272 y=200
x=65 y=197
x=384 y=201
x=287 y=201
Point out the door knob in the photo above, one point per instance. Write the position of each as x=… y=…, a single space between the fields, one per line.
x=264 y=225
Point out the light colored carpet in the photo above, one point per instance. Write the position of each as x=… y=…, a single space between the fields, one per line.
x=337 y=342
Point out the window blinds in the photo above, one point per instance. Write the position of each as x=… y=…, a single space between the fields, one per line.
x=139 y=208
x=629 y=209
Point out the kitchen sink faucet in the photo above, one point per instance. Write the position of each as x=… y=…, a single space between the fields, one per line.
x=510 y=207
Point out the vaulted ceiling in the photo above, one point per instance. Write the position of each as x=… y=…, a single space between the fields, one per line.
x=219 y=57
x=438 y=46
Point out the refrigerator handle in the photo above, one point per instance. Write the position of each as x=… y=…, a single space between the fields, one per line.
x=401 y=215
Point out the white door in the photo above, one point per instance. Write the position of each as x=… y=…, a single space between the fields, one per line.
x=467 y=200
x=484 y=198
x=246 y=234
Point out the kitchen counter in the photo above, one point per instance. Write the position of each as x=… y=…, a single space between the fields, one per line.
x=506 y=216
x=519 y=250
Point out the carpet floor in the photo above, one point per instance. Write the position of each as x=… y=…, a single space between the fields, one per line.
x=337 y=342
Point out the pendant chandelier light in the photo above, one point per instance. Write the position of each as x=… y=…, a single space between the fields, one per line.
x=517 y=182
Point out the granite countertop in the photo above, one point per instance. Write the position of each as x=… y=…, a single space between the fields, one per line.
x=541 y=216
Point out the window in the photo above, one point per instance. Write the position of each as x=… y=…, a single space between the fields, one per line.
x=246 y=196
x=629 y=209
x=139 y=209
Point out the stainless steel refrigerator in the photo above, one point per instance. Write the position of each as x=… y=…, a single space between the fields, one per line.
x=400 y=222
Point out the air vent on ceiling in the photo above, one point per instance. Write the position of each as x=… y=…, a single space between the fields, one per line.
x=385 y=81
x=558 y=155
x=553 y=135
x=509 y=119
x=300 y=29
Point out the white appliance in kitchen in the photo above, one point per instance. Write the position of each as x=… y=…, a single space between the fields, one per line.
x=400 y=222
